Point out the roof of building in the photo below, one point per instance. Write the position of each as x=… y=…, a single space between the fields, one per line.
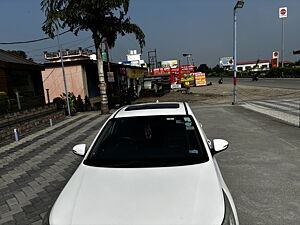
x=12 y=58
x=153 y=109
x=253 y=62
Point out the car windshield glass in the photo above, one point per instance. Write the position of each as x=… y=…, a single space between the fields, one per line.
x=151 y=141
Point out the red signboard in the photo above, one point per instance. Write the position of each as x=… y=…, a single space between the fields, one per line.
x=283 y=11
x=275 y=63
x=161 y=71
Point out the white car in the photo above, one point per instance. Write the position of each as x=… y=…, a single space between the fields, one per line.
x=150 y=164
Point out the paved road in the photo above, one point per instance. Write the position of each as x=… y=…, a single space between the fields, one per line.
x=290 y=83
x=287 y=110
x=261 y=167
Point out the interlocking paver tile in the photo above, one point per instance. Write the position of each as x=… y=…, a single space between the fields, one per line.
x=34 y=171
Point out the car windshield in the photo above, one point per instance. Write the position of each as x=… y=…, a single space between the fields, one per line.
x=151 y=141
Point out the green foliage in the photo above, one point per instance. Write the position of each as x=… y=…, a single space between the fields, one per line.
x=4 y=102
x=288 y=72
x=59 y=102
x=79 y=105
x=204 y=69
x=72 y=102
x=104 y=18
x=19 y=53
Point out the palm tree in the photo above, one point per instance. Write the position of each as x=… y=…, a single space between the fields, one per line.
x=106 y=19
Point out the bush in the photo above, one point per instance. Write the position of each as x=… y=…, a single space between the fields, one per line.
x=87 y=103
x=79 y=104
x=59 y=102
x=288 y=72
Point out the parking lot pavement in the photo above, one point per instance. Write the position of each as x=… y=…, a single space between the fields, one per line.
x=34 y=170
x=261 y=166
x=286 y=110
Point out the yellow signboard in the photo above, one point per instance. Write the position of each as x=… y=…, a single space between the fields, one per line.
x=200 y=79
x=135 y=73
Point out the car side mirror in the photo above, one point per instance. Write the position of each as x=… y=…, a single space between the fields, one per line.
x=79 y=149
x=219 y=145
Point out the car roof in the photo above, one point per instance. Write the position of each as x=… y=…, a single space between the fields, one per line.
x=153 y=109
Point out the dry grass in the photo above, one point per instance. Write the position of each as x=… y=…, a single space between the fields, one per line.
x=217 y=94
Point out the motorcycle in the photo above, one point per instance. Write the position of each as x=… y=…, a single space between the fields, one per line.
x=255 y=78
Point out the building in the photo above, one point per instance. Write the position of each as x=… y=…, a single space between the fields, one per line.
x=82 y=75
x=23 y=77
x=259 y=65
x=134 y=59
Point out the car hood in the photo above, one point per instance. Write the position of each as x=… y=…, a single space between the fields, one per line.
x=141 y=196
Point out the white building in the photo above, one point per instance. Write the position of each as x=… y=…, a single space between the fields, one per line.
x=134 y=59
x=259 y=65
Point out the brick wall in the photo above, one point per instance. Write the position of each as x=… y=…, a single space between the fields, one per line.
x=27 y=121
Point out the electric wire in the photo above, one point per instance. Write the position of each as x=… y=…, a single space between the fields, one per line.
x=30 y=41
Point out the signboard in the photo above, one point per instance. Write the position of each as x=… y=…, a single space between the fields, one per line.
x=283 y=12
x=110 y=77
x=275 y=55
x=175 y=85
x=188 y=77
x=200 y=79
x=186 y=73
x=135 y=73
x=161 y=71
x=170 y=63
x=175 y=76
x=296 y=52
x=275 y=63
x=226 y=61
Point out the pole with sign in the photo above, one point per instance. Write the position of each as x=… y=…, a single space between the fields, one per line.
x=282 y=16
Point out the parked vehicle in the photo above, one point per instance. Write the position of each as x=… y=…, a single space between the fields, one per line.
x=149 y=164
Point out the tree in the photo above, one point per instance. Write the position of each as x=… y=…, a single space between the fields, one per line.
x=19 y=53
x=104 y=18
x=204 y=68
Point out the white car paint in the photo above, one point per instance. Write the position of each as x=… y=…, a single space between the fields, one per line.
x=189 y=195
x=141 y=196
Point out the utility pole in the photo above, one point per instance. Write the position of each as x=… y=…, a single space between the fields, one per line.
x=107 y=55
x=282 y=45
x=188 y=58
x=238 y=5
x=282 y=16
x=64 y=75
x=152 y=60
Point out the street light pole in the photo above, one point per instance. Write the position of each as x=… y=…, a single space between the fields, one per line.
x=238 y=5
x=282 y=44
x=188 y=58
x=64 y=75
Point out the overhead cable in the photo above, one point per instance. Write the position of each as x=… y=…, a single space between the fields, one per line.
x=31 y=41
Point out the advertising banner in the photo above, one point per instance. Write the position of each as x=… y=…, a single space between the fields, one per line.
x=161 y=71
x=110 y=77
x=188 y=77
x=169 y=63
x=186 y=73
x=200 y=79
x=175 y=76
x=134 y=73
x=226 y=61
x=275 y=63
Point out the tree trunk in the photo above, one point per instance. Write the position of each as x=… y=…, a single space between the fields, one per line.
x=102 y=84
